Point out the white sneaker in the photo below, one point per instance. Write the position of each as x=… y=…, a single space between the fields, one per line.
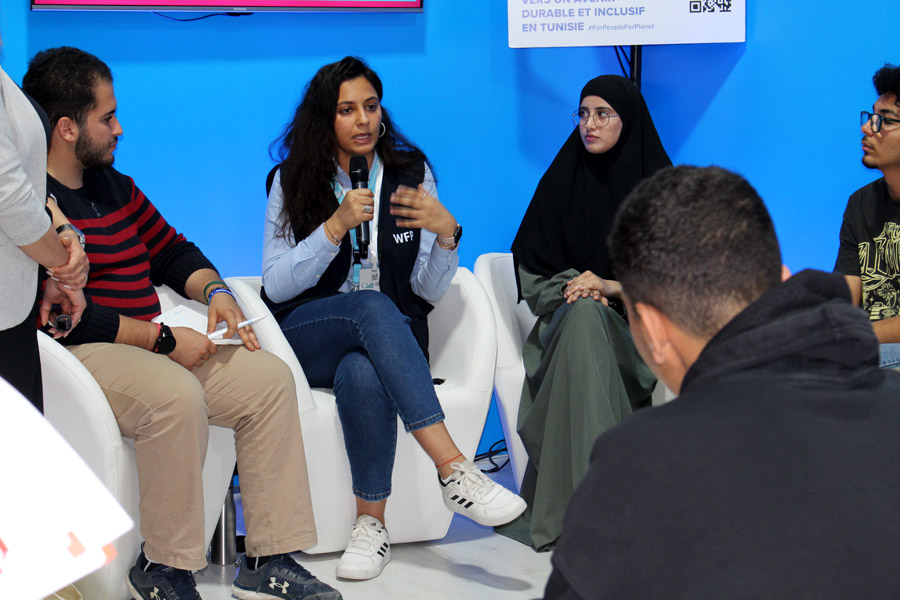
x=473 y=494
x=368 y=550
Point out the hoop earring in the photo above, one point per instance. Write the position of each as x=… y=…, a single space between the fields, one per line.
x=383 y=130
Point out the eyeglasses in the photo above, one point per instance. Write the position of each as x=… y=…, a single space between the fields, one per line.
x=875 y=121
x=600 y=117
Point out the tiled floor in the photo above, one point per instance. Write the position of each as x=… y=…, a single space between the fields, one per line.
x=471 y=562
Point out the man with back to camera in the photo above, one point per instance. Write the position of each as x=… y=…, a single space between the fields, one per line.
x=869 y=251
x=776 y=472
x=167 y=385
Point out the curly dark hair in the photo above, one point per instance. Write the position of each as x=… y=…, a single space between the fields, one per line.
x=887 y=81
x=307 y=148
x=698 y=244
x=62 y=81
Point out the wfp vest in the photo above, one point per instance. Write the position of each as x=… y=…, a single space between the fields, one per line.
x=398 y=248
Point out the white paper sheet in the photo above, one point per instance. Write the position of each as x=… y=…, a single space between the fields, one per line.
x=57 y=520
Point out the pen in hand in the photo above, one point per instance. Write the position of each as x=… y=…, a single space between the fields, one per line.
x=218 y=333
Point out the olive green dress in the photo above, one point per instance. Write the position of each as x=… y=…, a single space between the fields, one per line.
x=582 y=376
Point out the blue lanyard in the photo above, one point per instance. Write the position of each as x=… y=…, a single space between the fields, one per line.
x=339 y=193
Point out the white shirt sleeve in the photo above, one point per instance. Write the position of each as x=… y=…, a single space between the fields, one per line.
x=290 y=270
x=23 y=168
x=435 y=266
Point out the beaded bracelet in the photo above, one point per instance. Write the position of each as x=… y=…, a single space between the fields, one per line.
x=216 y=291
x=206 y=287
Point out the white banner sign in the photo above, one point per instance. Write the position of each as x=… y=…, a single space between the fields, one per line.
x=551 y=23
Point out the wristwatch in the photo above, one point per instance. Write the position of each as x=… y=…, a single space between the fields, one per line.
x=449 y=243
x=73 y=229
x=165 y=341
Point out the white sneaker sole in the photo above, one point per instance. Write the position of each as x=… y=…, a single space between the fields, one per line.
x=361 y=572
x=242 y=594
x=131 y=589
x=516 y=509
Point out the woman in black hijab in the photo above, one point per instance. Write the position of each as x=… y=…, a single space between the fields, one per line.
x=583 y=373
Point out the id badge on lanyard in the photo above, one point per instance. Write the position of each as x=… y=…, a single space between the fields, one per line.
x=364 y=277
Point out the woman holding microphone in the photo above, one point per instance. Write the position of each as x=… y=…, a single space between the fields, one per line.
x=355 y=316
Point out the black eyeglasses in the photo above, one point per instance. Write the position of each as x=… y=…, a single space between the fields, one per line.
x=875 y=121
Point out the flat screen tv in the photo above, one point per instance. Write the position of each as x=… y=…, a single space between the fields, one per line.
x=238 y=6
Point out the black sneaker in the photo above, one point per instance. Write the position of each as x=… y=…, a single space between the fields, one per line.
x=280 y=577
x=152 y=581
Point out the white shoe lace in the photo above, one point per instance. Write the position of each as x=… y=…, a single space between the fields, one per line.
x=472 y=482
x=364 y=537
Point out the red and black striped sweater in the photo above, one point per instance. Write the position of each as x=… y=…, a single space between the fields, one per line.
x=131 y=248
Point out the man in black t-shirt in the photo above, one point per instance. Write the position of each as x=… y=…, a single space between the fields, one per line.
x=869 y=253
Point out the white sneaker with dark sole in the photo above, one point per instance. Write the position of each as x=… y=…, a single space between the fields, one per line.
x=473 y=494
x=368 y=550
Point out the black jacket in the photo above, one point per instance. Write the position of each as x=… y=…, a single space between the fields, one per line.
x=776 y=473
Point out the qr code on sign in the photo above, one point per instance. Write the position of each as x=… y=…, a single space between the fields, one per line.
x=705 y=6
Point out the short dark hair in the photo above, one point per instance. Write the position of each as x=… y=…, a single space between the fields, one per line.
x=887 y=81
x=62 y=81
x=698 y=244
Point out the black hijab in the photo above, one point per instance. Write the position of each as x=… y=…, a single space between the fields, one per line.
x=571 y=213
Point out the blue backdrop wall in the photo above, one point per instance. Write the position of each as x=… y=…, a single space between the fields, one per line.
x=201 y=101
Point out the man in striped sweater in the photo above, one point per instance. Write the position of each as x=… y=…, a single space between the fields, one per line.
x=167 y=385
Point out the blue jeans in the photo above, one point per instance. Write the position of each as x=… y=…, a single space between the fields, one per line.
x=890 y=355
x=361 y=345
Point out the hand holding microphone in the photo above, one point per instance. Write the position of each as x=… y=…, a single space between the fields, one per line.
x=356 y=209
x=359 y=178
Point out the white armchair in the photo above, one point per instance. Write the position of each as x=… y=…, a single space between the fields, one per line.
x=463 y=349
x=515 y=320
x=75 y=405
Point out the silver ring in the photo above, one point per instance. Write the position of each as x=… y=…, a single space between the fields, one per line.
x=423 y=196
x=367 y=208
x=85 y=275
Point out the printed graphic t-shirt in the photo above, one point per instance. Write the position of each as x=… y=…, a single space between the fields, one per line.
x=870 y=248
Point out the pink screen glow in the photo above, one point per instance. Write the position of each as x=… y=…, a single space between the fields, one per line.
x=291 y=4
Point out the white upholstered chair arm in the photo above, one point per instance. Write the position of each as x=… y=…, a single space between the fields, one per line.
x=77 y=408
x=269 y=334
x=463 y=335
x=496 y=271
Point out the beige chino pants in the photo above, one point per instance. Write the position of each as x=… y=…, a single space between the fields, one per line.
x=167 y=410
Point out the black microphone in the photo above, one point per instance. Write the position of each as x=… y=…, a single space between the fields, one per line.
x=359 y=178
